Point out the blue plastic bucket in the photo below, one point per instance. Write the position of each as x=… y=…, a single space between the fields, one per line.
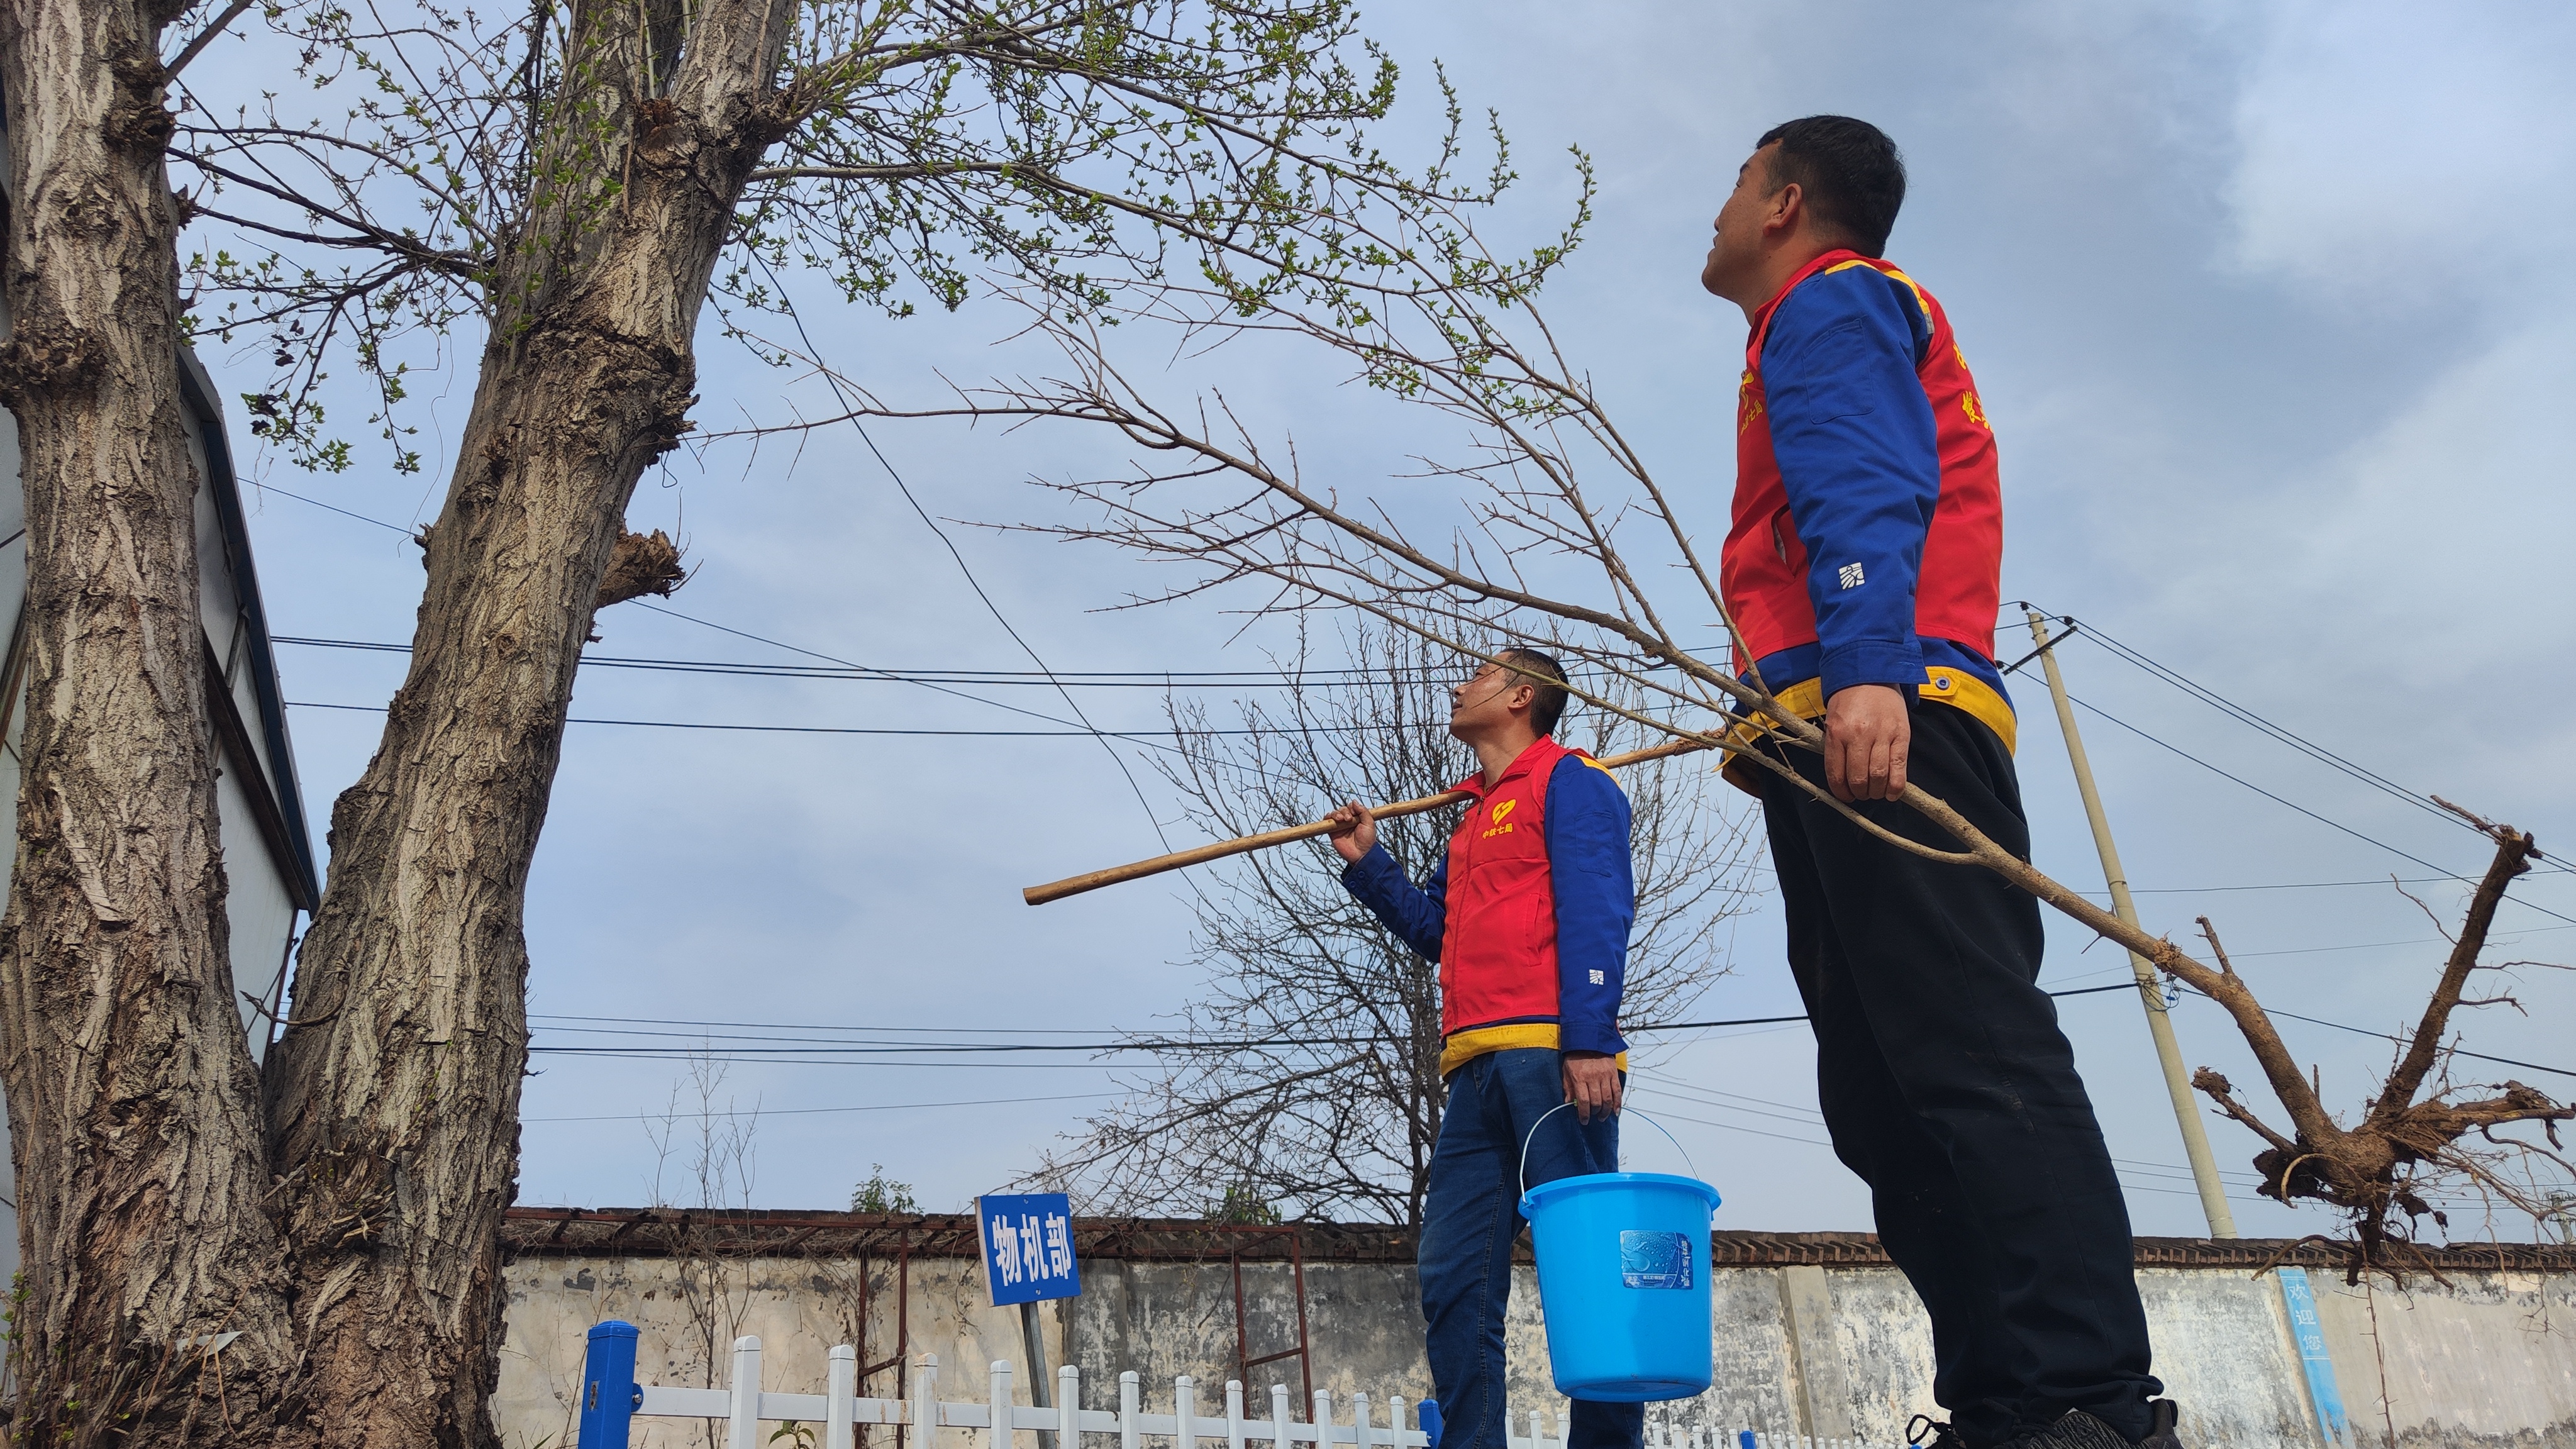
x=1623 y=1282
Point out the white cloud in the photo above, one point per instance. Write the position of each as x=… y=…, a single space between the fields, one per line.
x=2389 y=148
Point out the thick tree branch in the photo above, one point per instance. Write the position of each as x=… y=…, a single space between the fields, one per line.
x=2514 y=852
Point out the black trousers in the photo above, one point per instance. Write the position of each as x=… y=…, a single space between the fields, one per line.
x=1948 y=1087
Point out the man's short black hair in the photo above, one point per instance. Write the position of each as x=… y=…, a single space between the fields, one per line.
x=1848 y=171
x=1536 y=669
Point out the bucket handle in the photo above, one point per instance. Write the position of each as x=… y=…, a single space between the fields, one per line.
x=1625 y=1111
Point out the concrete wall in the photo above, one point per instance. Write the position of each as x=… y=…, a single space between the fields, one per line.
x=2489 y=1360
x=691 y=1312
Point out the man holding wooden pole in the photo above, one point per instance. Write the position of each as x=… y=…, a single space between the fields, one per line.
x=1862 y=572
x=1527 y=916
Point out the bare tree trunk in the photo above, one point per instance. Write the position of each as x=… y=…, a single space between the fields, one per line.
x=395 y=1103
x=132 y=1098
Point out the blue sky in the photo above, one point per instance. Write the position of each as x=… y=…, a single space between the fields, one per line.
x=2271 y=307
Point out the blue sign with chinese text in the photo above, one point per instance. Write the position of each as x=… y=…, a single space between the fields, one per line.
x=2300 y=1301
x=1028 y=1247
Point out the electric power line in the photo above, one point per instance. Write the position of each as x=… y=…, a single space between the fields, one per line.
x=1657 y=1082
x=936 y=687
x=335 y=508
x=811 y=1026
x=832 y=380
x=1114 y=1045
x=2302 y=885
x=1146 y=736
x=2174 y=678
x=821 y=1111
x=1088 y=679
x=2163 y=673
x=1749 y=1131
x=865 y=673
x=2128 y=654
x=864 y=1051
x=2376 y=945
x=2391 y=1037
x=2303 y=810
x=1813 y=1142
x=859 y=670
x=2242 y=715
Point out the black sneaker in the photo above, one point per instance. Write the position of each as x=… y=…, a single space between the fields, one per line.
x=2076 y=1429
x=1926 y=1432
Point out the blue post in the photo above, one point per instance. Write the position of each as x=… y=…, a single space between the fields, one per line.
x=1430 y=1418
x=1744 y=1438
x=608 y=1392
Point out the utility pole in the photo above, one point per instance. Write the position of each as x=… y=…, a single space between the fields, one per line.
x=2195 y=1134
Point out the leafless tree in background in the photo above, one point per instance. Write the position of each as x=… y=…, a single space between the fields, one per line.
x=1336 y=1115
x=710 y=1155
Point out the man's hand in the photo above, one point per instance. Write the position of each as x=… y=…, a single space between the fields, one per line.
x=1592 y=1084
x=1354 y=831
x=1866 y=736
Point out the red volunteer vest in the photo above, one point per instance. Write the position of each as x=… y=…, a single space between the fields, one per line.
x=1498 y=949
x=1763 y=571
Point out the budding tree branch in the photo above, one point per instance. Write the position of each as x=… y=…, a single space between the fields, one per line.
x=1542 y=553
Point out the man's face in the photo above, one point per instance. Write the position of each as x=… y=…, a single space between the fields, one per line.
x=1735 y=252
x=1483 y=700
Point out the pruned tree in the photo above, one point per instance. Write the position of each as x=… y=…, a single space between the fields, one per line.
x=557 y=193
x=1564 y=524
x=2421 y=1133
x=1334 y=1109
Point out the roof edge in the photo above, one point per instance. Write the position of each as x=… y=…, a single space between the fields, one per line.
x=684 y=1232
x=197 y=390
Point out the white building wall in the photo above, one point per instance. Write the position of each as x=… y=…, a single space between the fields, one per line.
x=263 y=914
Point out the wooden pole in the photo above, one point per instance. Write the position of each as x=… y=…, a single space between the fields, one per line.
x=1039 y=895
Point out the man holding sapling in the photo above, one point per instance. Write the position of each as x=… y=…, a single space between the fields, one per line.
x=1527 y=915
x=1861 y=566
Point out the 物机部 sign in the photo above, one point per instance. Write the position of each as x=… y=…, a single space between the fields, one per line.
x=1028 y=1247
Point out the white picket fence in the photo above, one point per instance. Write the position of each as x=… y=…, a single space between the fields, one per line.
x=836 y=1413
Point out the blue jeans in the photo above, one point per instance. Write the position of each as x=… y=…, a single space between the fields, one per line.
x=1471 y=1218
